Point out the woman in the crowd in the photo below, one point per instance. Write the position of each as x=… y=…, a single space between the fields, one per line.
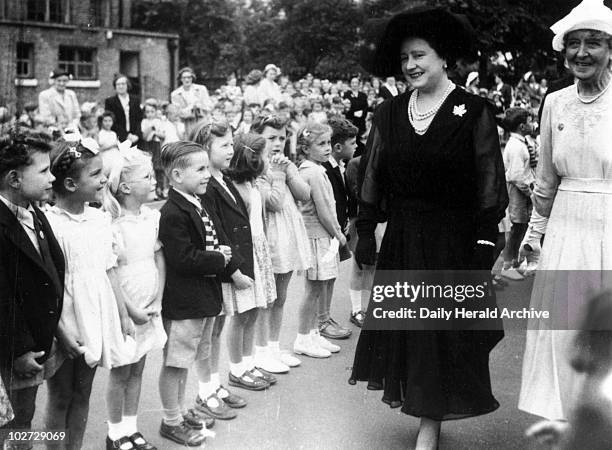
x=126 y=109
x=433 y=169
x=573 y=195
x=191 y=99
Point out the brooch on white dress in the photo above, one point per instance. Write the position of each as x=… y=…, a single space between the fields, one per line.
x=459 y=110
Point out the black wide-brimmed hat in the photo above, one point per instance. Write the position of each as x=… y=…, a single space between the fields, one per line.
x=451 y=35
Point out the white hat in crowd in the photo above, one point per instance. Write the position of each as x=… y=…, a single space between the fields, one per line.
x=588 y=15
x=272 y=67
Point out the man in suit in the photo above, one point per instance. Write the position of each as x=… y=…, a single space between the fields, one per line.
x=358 y=110
x=388 y=89
x=57 y=105
x=127 y=111
x=31 y=271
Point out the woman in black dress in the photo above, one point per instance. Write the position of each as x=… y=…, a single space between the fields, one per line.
x=433 y=169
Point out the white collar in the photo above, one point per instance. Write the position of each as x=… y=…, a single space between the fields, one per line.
x=518 y=136
x=195 y=201
x=23 y=215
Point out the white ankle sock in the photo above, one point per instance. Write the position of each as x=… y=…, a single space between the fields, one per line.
x=260 y=351
x=129 y=425
x=115 y=431
x=237 y=369
x=205 y=390
x=248 y=362
x=274 y=346
x=355 y=300
x=214 y=379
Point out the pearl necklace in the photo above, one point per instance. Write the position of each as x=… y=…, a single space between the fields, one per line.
x=592 y=99
x=414 y=115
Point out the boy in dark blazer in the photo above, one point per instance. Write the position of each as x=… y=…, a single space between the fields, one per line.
x=31 y=271
x=344 y=144
x=192 y=294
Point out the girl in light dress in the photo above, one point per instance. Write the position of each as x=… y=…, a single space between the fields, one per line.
x=325 y=236
x=248 y=162
x=280 y=187
x=94 y=328
x=141 y=273
x=107 y=138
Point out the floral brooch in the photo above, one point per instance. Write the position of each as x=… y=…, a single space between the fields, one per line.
x=459 y=110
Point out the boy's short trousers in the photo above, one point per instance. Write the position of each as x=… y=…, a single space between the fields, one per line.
x=189 y=340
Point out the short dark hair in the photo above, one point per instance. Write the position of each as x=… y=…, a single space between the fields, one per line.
x=176 y=155
x=270 y=120
x=103 y=115
x=342 y=130
x=247 y=162
x=515 y=117
x=17 y=147
x=67 y=161
x=118 y=76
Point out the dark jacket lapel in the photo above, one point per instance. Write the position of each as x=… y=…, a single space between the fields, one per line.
x=237 y=205
x=183 y=204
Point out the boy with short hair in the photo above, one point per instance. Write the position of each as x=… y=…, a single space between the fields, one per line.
x=192 y=295
x=31 y=271
x=344 y=144
x=519 y=161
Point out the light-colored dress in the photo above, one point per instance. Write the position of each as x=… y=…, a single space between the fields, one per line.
x=90 y=309
x=6 y=412
x=285 y=229
x=263 y=290
x=135 y=243
x=574 y=189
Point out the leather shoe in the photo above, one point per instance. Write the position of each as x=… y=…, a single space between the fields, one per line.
x=221 y=411
x=198 y=421
x=248 y=381
x=115 y=445
x=332 y=330
x=264 y=375
x=357 y=318
x=140 y=443
x=181 y=434
x=232 y=400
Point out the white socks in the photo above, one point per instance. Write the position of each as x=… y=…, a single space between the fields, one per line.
x=355 y=300
x=115 y=431
x=129 y=425
x=172 y=417
x=248 y=362
x=214 y=379
x=206 y=390
x=274 y=347
x=237 y=369
x=260 y=351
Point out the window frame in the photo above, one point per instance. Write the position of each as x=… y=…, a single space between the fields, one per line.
x=29 y=60
x=74 y=64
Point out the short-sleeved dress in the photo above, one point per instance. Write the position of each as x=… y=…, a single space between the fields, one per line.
x=441 y=192
x=135 y=244
x=90 y=309
x=574 y=190
x=285 y=230
x=263 y=290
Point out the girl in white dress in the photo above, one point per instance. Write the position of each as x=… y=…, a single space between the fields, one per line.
x=141 y=272
x=94 y=328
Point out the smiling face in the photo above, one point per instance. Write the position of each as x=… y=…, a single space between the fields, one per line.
x=121 y=86
x=187 y=79
x=320 y=149
x=194 y=177
x=421 y=64
x=221 y=151
x=587 y=53
x=91 y=180
x=141 y=183
x=35 y=179
x=60 y=83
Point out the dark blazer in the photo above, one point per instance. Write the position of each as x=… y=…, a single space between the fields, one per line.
x=358 y=103
x=193 y=289
x=340 y=193
x=31 y=295
x=384 y=93
x=235 y=224
x=113 y=104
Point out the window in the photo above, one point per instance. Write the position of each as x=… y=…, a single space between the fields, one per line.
x=46 y=10
x=25 y=60
x=97 y=12
x=78 y=61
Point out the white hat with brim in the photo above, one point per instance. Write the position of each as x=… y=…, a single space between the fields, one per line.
x=588 y=15
x=272 y=67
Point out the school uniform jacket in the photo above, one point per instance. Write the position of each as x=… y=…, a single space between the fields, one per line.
x=340 y=193
x=193 y=288
x=235 y=223
x=113 y=104
x=31 y=295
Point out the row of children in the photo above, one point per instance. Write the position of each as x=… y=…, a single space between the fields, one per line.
x=83 y=287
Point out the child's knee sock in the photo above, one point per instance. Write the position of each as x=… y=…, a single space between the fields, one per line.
x=355 y=300
x=173 y=416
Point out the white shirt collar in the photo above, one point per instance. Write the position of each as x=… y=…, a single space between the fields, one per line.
x=518 y=136
x=195 y=201
x=23 y=215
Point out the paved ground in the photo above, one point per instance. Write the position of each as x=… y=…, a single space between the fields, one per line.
x=315 y=407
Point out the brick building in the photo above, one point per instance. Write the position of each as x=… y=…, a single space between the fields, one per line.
x=92 y=39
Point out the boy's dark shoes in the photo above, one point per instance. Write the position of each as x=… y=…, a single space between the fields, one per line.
x=332 y=330
x=140 y=443
x=181 y=434
x=215 y=407
x=231 y=400
x=248 y=381
x=357 y=318
x=197 y=420
x=123 y=443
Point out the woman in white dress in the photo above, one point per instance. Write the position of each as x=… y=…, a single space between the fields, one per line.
x=573 y=193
